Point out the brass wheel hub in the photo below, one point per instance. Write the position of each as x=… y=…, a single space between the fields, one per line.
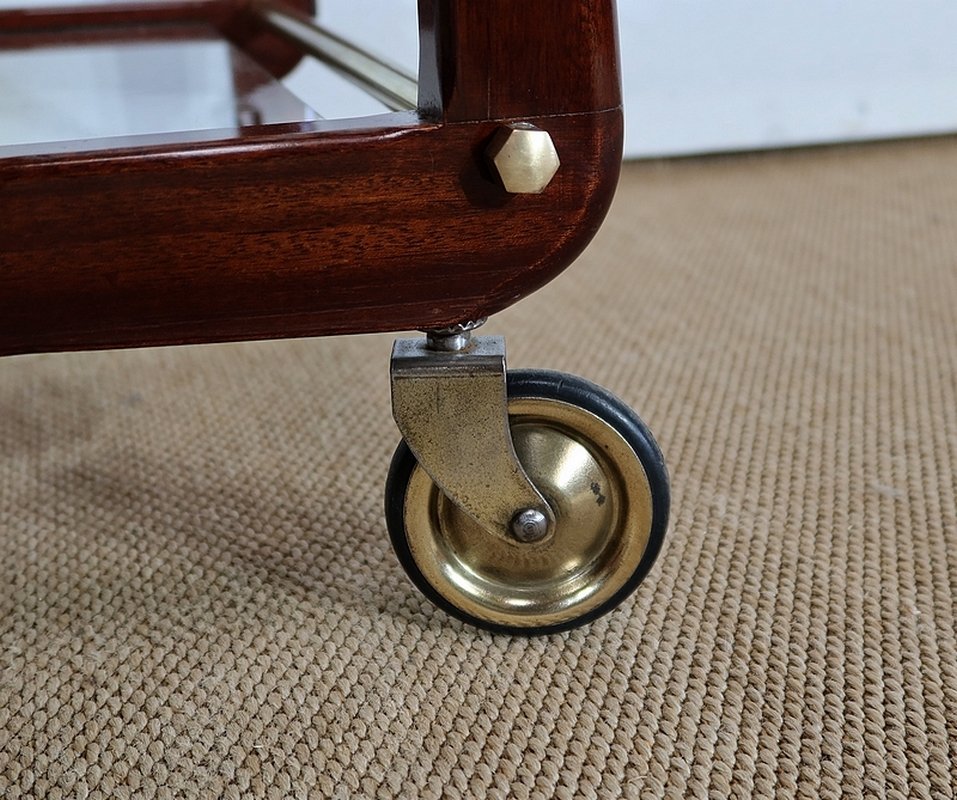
x=600 y=494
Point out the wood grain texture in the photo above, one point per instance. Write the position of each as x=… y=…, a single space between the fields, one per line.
x=314 y=233
x=325 y=234
x=501 y=59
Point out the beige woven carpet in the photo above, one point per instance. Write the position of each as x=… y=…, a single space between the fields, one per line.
x=199 y=599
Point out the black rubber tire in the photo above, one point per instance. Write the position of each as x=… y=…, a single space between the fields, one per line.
x=549 y=385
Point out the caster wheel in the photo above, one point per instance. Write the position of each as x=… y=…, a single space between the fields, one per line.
x=600 y=470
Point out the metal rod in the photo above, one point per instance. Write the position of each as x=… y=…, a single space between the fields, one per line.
x=391 y=85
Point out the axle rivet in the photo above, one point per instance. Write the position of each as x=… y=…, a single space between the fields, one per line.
x=529 y=525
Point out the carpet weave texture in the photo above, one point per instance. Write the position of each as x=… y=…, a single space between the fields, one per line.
x=198 y=597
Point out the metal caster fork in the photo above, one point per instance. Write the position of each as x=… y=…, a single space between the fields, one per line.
x=525 y=502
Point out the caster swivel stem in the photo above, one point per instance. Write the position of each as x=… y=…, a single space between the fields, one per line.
x=450 y=402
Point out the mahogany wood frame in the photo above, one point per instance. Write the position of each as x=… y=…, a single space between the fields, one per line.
x=387 y=223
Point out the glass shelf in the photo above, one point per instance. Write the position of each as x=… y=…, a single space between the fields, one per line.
x=92 y=96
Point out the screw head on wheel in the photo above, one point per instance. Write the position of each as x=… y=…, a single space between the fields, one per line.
x=529 y=525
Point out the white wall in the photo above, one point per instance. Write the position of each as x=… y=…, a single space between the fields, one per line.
x=702 y=75
x=744 y=74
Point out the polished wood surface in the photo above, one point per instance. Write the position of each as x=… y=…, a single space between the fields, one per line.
x=398 y=224
x=500 y=59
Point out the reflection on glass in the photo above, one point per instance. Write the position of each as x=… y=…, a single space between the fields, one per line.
x=118 y=89
x=19 y=4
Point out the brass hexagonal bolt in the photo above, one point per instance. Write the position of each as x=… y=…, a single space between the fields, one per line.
x=523 y=157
